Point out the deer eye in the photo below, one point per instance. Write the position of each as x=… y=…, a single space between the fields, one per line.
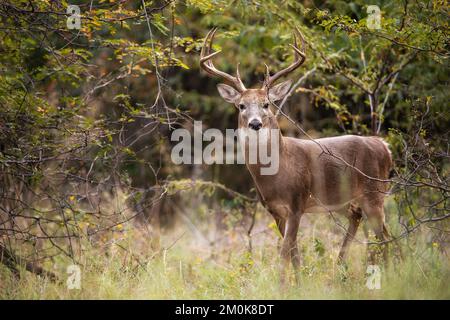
x=242 y=107
x=265 y=105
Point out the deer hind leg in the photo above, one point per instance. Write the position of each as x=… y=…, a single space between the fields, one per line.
x=376 y=219
x=388 y=235
x=355 y=215
x=367 y=239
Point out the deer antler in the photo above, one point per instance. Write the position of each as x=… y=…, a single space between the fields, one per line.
x=207 y=64
x=300 y=57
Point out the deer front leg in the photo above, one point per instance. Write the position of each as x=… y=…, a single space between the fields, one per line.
x=281 y=225
x=289 y=249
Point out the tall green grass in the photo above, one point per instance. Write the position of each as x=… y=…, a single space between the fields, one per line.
x=191 y=269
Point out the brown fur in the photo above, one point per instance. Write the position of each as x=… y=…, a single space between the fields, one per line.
x=309 y=180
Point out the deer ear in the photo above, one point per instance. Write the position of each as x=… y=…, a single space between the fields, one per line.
x=280 y=90
x=228 y=93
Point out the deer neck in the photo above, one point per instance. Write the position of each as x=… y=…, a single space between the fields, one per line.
x=255 y=168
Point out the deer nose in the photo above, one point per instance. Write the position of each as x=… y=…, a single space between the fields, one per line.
x=255 y=124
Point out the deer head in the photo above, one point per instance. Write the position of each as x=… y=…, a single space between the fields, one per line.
x=253 y=104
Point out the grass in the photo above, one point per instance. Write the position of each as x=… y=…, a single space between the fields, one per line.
x=191 y=269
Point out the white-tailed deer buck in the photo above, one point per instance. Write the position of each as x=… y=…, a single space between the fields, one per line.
x=346 y=174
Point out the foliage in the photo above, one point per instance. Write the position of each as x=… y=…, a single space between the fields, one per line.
x=86 y=117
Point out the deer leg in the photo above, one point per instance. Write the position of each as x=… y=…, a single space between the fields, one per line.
x=366 y=235
x=382 y=238
x=281 y=225
x=375 y=215
x=295 y=259
x=289 y=249
x=295 y=254
x=354 y=220
x=399 y=247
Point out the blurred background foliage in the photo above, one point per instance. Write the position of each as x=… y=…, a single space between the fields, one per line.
x=86 y=115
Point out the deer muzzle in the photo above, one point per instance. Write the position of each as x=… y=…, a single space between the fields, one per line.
x=255 y=124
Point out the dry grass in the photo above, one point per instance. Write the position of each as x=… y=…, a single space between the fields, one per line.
x=194 y=268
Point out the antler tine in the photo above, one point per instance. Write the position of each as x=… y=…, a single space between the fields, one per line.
x=205 y=53
x=266 y=76
x=303 y=52
x=300 y=58
x=202 y=51
x=211 y=39
x=206 y=50
x=238 y=76
x=207 y=64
